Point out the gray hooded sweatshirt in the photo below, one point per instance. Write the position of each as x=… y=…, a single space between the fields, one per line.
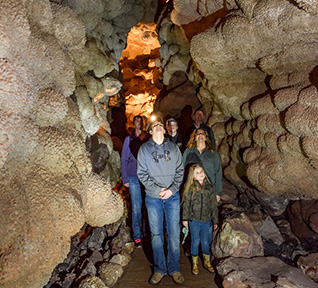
x=160 y=166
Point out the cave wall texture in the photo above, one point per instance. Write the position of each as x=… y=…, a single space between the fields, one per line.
x=255 y=66
x=56 y=58
x=254 y=63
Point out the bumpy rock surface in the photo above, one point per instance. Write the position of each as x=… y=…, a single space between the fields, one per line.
x=110 y=272
x=261 y=272
x=255 y=62
x=238 y=238
x=92 y=281
x=309 y=265
x=48 y=190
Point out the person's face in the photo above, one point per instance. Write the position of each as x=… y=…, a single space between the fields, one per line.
x=198 y=116
x=199 y=174
x=172 y=127
x=157 y=127
x=200 y=135
x=138 y=124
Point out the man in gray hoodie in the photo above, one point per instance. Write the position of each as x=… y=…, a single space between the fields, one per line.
x=160 y=170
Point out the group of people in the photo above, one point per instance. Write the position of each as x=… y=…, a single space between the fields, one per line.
x=156 y=160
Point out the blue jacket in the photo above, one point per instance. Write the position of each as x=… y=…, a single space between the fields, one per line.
x=160 y=166
x=128 y=162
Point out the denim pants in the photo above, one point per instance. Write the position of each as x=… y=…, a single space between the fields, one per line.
x=201 y=232
x=159 y=212
x=136 y=205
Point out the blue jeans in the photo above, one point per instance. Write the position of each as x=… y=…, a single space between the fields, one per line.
x=169 y=211
x=200 y=232
x=136 y=204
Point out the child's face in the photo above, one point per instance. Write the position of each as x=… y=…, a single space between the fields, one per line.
x=199 y=174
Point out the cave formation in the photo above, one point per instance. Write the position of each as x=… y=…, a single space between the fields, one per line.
x=69 y=91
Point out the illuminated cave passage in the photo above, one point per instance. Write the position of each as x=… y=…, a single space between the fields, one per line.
x=73 y=75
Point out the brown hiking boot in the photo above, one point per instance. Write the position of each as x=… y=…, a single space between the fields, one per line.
x=177 y=278
x=155 y=278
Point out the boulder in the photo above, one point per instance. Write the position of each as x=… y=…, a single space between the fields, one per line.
x=261 y=272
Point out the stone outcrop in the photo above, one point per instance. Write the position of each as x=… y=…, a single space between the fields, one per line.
x=254 y=62
x=96 y=259
x=238 y=238
x=186 y=11
x=58 y=72
x=309 y=265
x=261 y=272
x=303 y=218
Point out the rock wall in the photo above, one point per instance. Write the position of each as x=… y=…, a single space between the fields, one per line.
x=254 y=64
x=58 y=72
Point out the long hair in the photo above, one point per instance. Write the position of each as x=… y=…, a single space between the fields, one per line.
x=191 y=184
x=192 y=143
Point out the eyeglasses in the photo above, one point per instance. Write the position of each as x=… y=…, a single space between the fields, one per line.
x=200 y=133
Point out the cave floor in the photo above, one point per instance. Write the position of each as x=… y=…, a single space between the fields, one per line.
x=139 y=270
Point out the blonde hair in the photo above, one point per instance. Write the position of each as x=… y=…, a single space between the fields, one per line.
x=191 y=184
x=192 y=143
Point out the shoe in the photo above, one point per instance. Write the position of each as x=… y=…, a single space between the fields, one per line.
x=195 y=269
x=138 y=243
x=206 y=263
x=177 y=278
x=155 y=278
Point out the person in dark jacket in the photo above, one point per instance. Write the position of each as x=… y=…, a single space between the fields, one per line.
x=200 y=212
x=172 y=132
x=199 y=117
x=199 y=151
x=160 y=170
x=130 y=180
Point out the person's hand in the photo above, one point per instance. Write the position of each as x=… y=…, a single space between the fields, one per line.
x=185 y=223
x=126 y=184
x=165 y=193
x=218 y=198
x=215 y=226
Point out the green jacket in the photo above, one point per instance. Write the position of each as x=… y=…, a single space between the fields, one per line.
x=211 y=163
x=200 y=205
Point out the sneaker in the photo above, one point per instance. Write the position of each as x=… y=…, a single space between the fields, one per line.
x=155 y=278
x=138 y=243
x=178 y=278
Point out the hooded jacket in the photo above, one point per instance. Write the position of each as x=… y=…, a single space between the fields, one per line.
x=201 y=204
x=211 y=163
x=160 y=166
x=129 y=153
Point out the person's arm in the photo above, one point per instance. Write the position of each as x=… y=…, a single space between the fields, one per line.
x=124 y=161
x=218 y=175
x=185 y=209
x=178 y=175
x=212 y=139
x=184 y=157
x=214 y=212
x=143 y=172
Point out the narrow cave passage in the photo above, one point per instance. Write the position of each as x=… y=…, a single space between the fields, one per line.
x=252 y=64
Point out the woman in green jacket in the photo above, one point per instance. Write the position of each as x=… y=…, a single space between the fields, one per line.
x=199 y=151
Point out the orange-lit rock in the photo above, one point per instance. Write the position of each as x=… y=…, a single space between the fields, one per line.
x=140 y=72
x=142 y=38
